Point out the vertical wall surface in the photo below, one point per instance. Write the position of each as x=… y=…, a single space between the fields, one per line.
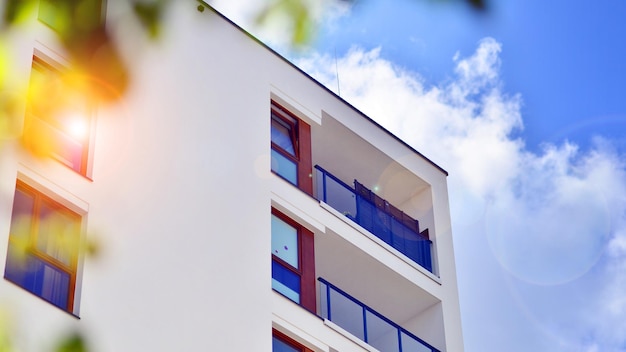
x=180 y=194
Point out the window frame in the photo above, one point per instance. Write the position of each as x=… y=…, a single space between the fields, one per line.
x=289 y=341
x=50 y=124
x=306 y=262
x=301 y=140
x=291 y=125
x=39 y=199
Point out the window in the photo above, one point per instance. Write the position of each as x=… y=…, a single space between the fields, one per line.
x=293 y=261
x=58 y=118
x=283 y=343
x=291 y=148
x=43 y=247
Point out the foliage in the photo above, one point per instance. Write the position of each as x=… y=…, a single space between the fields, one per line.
x=73 y=343
x=296 y=11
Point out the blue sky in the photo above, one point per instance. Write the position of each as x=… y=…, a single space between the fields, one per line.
x=524 y=106
x=566 y=58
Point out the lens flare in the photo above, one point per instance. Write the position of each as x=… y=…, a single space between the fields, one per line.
x=551 y=243
x=76 y=126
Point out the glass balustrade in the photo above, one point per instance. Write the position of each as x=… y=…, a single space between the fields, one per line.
x=375 y=215
x=365 y=323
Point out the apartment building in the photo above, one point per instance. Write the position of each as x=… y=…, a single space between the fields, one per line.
x=238 y=205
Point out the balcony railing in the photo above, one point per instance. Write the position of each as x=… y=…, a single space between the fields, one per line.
x=365 y=323
x=375 y=215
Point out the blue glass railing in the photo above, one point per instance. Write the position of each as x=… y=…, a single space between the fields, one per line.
x=399 y=231
x=365 y=323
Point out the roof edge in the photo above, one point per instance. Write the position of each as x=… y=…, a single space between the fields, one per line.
x=249 y=35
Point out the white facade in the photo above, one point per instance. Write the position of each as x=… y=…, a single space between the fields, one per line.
x=179 y=194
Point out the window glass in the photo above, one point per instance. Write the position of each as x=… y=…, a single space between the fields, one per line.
x=293 y=260
x=285 y=241
x=58 y=233
x=58 y=117
x=41 y=255
x=21 y=217
x=279 y=345
x=38 y=277
x=286 y=281
x=285 y=167
x=283 y=135
x=285 y=246
x=291 y=148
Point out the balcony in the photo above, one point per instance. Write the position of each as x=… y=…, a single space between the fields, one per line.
x=365 y=323
x=377 y=216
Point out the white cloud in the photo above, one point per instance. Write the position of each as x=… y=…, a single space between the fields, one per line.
x=553 y=220
x=452 y=124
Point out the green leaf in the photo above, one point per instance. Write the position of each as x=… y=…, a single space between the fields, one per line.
x=16 y=11
x=149 y=14
x=73 y=343
x=298 y=15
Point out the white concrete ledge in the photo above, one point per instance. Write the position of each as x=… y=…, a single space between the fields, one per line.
x=380 y=242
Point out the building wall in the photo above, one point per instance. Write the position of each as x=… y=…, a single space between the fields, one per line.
x=180 y=195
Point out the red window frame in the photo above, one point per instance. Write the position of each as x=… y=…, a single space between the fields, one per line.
x=289 y=341
x=44 y=134
x=306 y=262
x=30 y=248
x=301 y=138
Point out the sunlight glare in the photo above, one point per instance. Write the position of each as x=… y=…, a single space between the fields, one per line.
x=76 y=126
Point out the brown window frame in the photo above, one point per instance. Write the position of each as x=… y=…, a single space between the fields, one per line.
x=49 y=126
x=301 y=139
x=306 y=262
x=31 y=247
x=289 y=341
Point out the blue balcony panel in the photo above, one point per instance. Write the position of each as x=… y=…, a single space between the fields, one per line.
x=376 y=215
x=365 y=323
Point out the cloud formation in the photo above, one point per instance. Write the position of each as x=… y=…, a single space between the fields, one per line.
x=546 y=230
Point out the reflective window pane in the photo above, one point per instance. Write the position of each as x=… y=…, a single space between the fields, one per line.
x=282 y=135
x=43 y=247
x=38 y=277
x=58 y=233
x=58 y=117
x=285 y=167
x=279 y=345
x=21 y=218
x=286 y=282
x=285 y=241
